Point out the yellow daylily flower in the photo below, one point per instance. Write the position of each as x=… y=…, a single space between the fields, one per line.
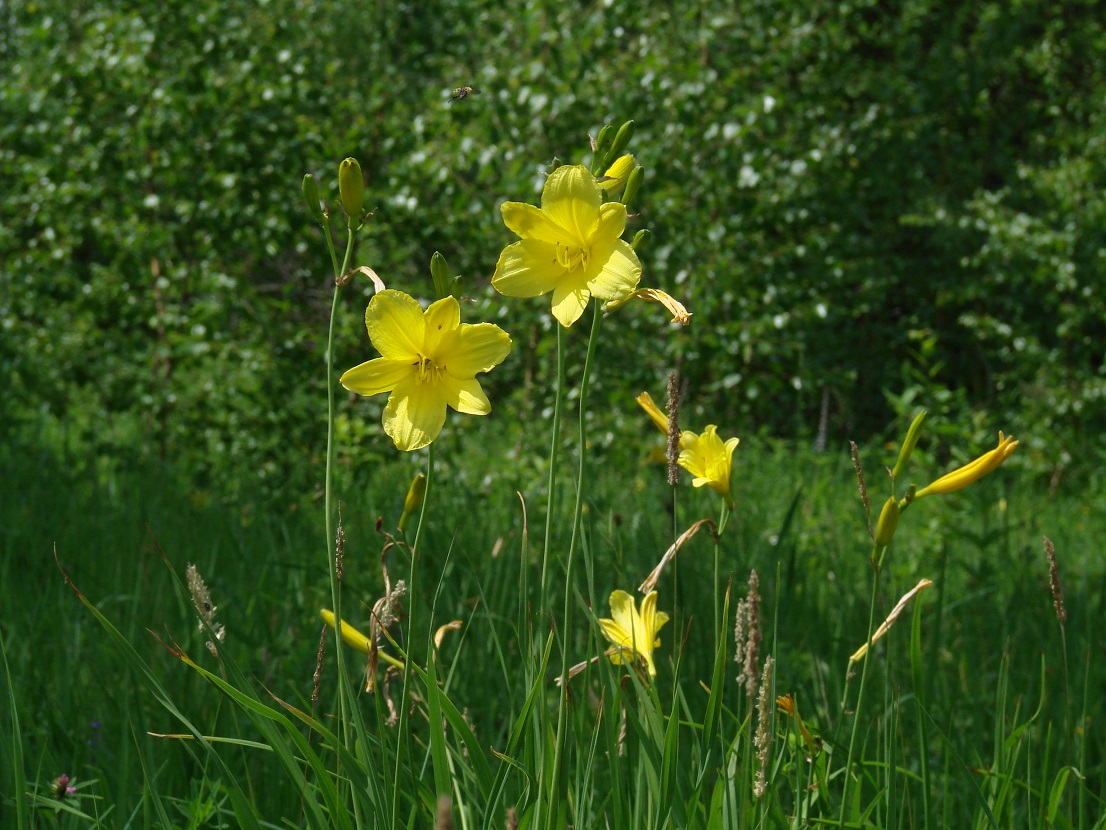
x=615 y=178
x=571 y=246
x=963 y=476
x=708 y=459
x=428 y=361
x=634 y=633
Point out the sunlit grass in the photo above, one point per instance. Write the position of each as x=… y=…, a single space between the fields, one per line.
x=989 y=654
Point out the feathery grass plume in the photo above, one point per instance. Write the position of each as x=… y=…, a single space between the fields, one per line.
x=763 y=739
x=747 y=637
x=339 y=546
x=672 y=451
x=316 y=680
x=860 y=483
x=204 y=607
x=1054 y=583
x=511 y=822
x=444 y=819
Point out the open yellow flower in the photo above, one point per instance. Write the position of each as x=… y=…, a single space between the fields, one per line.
x=708 y=459
x=634 y=633
x=963 y=476
x=571 y=246
x=428 y=361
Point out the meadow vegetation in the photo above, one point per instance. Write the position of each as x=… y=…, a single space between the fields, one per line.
x=868 y=211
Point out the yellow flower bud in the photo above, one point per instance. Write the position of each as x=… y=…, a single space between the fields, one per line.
x=615 y=178
x=415 y=495
x=888 y=522
x=973 y=471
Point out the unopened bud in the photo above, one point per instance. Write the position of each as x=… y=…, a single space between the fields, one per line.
x=888 y=522
x=912 y=436
x=311 y=197
x=633 y=184
x=351 y=187
x=415 y=495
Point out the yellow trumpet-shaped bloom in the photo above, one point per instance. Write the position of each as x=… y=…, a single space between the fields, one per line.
x=634 y=632
x=708 y=459
x=972 y=471
x=429 y=360
x=570 y=246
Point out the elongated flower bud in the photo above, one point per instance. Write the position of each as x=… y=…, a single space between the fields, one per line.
x=413 y=503
x=912 y=436
x=311 y=198
x=351 y=186
x=888 y=522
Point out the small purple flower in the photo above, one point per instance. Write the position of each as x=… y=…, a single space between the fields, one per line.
x=61 y=787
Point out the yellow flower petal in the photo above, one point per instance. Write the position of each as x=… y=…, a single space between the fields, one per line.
x=571 y=199
x=660 y=420
x=414 y=415
x=440 y=320
x=395 y=324
x=569 y=302
x=619 y=274
x=466 y=396
x=530 y=222
x=478 y=348
x=527 y=269
x=376 y=376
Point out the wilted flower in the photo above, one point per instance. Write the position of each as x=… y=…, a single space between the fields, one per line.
x=633 y=632
x=429 y=360
x=679 y=312
x=571 y=246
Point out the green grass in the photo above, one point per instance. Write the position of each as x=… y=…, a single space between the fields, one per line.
x=1007 y=731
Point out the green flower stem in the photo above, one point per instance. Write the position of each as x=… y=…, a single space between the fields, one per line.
x=411 y=659
x=723 y=518
x=566 y=623
x=859 y=700
x=551 y=487
x=547 y=545
x=335 y=592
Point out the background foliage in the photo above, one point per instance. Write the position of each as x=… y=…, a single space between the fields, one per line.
x=868 y=206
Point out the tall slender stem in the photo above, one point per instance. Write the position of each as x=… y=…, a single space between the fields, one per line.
x=413 y=637
x=551 y=487
x=566 y=619
x=859 y=699
x=328 y=491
